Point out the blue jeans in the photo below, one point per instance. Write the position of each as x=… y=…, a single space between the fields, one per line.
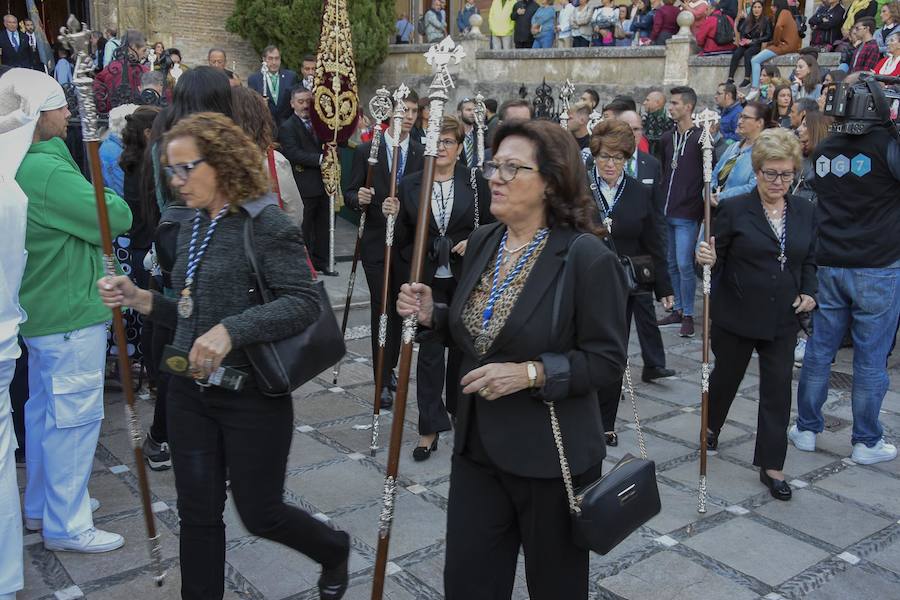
x=756 y=66
x=868 y=302
x=544 y=40
x=682 y=240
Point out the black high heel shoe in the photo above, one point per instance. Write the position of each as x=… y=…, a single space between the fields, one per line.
x=779 y=488
x=712 y=440
x=333 y=582
x=421 y=453
x=612 y=439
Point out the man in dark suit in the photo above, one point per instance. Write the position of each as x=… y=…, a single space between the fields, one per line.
x=303 y=148
x=14 y=46
x=369 y=200
x=646 y=170
x=276 y=86
x=466 y=114
x=32 y=41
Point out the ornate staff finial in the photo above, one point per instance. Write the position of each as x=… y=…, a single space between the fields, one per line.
x=480 y=120
x=593 y=120
x=380 y=105
x=565 y=99
x=439 y=57
x=76 y=37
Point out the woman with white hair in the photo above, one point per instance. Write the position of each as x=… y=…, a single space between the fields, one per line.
x=111 y=149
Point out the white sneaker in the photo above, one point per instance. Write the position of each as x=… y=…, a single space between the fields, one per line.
x=92 y=541
x=802 y=440
x=799 y=352
x=38 y=524
x=880 y=452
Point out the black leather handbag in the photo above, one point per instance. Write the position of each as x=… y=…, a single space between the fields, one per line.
x=608 y=510
x=282 y=366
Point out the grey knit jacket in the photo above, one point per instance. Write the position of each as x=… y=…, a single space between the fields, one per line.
x=225 y=292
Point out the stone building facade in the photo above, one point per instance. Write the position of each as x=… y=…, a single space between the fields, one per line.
x=192 y=26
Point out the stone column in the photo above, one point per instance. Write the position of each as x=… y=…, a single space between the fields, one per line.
x=678 y=51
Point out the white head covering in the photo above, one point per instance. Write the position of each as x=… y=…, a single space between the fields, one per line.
x=24 y=95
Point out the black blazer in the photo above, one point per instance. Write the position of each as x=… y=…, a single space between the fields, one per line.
x=635 y=231
x=649 y=173
x=23 y=57
x=304 y=151
x=372 y=245
x=752 y=296
x=586 y=353
x=461 y=225
x=280 y=106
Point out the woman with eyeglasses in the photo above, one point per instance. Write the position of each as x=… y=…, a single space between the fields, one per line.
x=765 y=277
x=626 y=209
x=734 y=175
x=539 y=316
x=216 y=169
x=456 y=210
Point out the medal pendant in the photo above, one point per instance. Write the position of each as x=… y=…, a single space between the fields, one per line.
x=674 y=163
x=607 y=222
x=185 y=306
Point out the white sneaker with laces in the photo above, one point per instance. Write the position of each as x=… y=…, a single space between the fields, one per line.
x=880 y=452
x=38 y=524
x=799 y=352
x=92 y=541
x=802 y=440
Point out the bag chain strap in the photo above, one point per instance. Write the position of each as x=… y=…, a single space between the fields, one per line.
x=557 y=438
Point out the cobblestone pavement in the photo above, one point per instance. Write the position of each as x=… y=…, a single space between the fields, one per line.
x=839 y=538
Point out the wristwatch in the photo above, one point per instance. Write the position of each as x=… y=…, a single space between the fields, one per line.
x=532 y=374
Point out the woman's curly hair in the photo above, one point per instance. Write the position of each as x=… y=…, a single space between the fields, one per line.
x=568 y=202
x=227 y=149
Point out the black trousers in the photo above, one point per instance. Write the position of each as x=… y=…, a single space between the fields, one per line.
x=639 y=306
x=18 y=396
x=743 y=52
x=211 y=429
x=776 y=363
x=491 y=514
x=316 y=229
x=434 y=375
x=160 y=337
x=375 y=280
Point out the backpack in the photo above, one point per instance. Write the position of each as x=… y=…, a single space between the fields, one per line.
x=724 y=30
x=420 y=25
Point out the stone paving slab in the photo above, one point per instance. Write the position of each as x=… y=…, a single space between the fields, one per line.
x=746 y=546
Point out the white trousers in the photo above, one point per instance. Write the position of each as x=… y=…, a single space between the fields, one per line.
x=11 y=552
x=62 y=425
x=502 y=42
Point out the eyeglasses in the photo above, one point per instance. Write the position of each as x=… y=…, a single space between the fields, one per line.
x=183 y=170
x=507 y=171
x=743 y=116
x=606 y=158
x=773 y=176
x=448 y=143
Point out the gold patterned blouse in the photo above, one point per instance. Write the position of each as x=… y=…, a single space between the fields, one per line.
x=473 y=311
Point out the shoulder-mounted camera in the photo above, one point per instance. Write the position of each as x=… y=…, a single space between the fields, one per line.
x=864 y=105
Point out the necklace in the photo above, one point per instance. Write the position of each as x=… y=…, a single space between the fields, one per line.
x=437 y=195
x=186 y=303
x=605 y=208
x=782 y=234
x=680 y=143
x=497 y=291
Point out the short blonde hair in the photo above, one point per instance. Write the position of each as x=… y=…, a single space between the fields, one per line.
x=776 y=144
x=227 y=149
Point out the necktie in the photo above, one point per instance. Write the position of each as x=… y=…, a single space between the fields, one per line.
x=469 y=146
x=401 y=167
x=31 y=40
x=630 y=169
x=14 y=39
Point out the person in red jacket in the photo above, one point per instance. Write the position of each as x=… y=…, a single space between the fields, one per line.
x=107 y=81
x=665 y=23
x=706 y=32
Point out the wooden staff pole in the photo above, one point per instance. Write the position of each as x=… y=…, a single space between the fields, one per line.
x=438 y=56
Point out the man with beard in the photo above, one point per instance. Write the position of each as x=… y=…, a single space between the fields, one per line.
x=579 y=115
x=466 y=112
x=31 y=38
x=308 y=71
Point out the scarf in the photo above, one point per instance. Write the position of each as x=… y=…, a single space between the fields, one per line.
x=857 y=6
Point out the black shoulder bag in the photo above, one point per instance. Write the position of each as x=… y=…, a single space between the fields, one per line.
x=282 y=366
x=608 y=510
x=640 y=271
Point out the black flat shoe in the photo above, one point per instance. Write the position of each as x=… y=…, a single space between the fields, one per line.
x=387 y=398
x=712 y=439
x=612 y=439
x=648 y=374
x=779 y=488
x=744 y=83
x=421 y=453
x=333 y=582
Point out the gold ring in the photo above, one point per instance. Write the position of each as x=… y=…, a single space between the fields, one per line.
x=484 y=392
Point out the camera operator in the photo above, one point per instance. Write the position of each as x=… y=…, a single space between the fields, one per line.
x=858 y=211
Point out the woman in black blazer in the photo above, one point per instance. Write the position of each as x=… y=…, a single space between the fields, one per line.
x=454 y=215
x=506 y=487
x=765 y=277
x=625 y=207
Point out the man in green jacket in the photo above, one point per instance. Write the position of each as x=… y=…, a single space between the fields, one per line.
x=65 y=332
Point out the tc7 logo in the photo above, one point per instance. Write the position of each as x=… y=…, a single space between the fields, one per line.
x=840 y=165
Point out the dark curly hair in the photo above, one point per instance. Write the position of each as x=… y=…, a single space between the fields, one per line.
x=134 y=142
x=228 y=150
x=568 y=202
